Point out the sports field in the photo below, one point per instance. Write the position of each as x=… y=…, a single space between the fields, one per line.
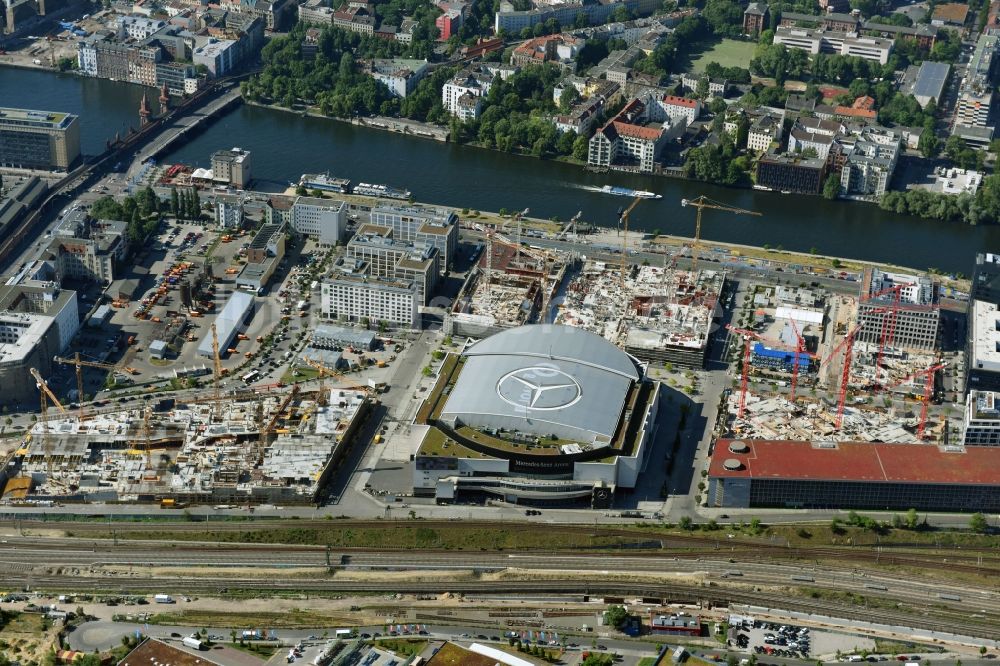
x=728 y=53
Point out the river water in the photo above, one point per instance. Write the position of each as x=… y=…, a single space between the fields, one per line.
x=286 y=145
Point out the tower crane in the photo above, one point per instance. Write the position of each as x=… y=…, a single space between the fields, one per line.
x=747 y=337
x=80 y=365
x=45 y=394
x=847 y=344
x=700 y=203
x=323 y=371
x=928 y=374
x=623 y=214
x=218 y=370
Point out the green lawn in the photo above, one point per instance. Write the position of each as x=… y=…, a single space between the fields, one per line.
x=728 y=53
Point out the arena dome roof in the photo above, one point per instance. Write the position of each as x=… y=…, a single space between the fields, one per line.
x=543 y=380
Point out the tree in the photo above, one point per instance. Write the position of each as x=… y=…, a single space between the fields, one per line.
x=831 y=187
x=912 y=519
x=581 y=147
x=567 y=98
x=686 y=523
x=174 y=201
x=615 y=616
x=978 y=524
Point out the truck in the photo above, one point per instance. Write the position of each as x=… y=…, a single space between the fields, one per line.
x=303 y=304
x=163 y=599
x=193 y=642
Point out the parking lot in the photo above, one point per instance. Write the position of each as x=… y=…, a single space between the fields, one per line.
x=767 y=639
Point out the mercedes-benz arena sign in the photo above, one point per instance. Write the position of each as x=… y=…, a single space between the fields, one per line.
x=539 y=387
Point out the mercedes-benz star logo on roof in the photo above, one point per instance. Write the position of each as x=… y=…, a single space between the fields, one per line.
x=538 y=387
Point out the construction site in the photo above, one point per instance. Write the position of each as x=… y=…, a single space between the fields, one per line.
x=839 y=369
x=657 y=314
x=263 y=444
x=511 y=285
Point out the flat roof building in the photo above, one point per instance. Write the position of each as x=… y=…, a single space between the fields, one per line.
x=930 y=81
x=323 y=219
x=421 y=224
x=984 y=346
x=234 y=315
x=36 y=323
x=854 y=475
x=981 y=426
x=232 y=167
x=917 y=312
x=357 y=296
x=38 y=139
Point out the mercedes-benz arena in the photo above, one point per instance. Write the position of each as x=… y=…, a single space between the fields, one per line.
x=537 y=414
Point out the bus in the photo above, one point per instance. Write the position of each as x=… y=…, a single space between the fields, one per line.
x=250 y=376
x=344 y=633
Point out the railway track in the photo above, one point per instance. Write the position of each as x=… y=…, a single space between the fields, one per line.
x=932 y=620
x=980 y=561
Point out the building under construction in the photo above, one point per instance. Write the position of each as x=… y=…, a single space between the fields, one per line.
x=659 y=315
x=246 y=448
x=898 y=311
x=510 y=286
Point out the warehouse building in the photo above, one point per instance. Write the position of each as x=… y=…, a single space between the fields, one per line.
x=537 y=414
x=38 y=139
x=854 y=475
x=236 y=313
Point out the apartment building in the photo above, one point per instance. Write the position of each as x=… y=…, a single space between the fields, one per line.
x=86 y=250
x=764 y=131
x=400 y=75
x=559 y=48
x=975 y=97
x=513 y=21
x=870 y=162
x=633 y=140
x=324 y=219
x=229 y=210
x=756 y=18
x=789 y=172
x=460 y=95
x=681 y=107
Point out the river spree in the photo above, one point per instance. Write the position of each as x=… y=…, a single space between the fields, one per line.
x=286 y=145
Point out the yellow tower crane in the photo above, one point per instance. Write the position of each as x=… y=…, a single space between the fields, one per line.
x=46 y=394
x=218 y=371
x=80 y=365
x=623 y=221
x=702 y=203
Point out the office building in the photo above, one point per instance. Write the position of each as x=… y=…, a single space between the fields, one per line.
x=975 y=96
x=265 y=252
x=232 y=167
x=36 y=324
x=981 y=426
x=986 y=278
x=356 y=297
x=219 y=56
x=834 y=42
x=323 y=219
x=536 y=414
x=983 y=350
x=400 y=260
x=915 y=312
x=853 y=475
x=789 y=172
x=38 y=139
x=89 y=252
x=421 y=225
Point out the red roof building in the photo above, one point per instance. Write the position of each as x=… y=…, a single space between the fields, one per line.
x=854 y=475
